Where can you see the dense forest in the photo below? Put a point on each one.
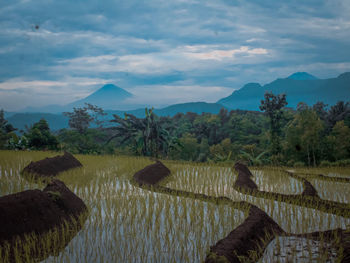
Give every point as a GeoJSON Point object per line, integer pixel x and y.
{"type": "Point", "coordinates": [276, 135]}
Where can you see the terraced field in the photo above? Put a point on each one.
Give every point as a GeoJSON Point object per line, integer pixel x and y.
{"type": "Point", "coordinates": [197, 213]}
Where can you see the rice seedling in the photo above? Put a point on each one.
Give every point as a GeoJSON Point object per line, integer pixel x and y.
{"type": "Point", "coordinates": [127, 223]}
{"type": "Point", "coordinates": [130, 224]}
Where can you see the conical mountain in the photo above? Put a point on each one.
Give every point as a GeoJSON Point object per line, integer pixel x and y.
{"type": "Point", "coordinates": [108, 97]}
{"type": "Point", "coordinates": [302, 76]}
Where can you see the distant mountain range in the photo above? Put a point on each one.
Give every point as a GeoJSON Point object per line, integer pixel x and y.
{"type": "Point", "coordinates": [299, 87]}
{"type": "Point", "coordinates": [59, 121]}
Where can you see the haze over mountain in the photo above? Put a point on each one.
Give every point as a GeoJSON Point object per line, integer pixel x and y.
{"type": "Point", "coordinates": [109, 97]}
{"type": "Point", "coordinates": [59, 121]}
{"type": "Point", "coordinates": [299, 87]}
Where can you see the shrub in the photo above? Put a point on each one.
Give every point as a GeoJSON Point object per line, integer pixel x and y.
{"type": "Point", "coordinates": [342, 163]}
{"type": "Point", "coordinates": [299, 164]}
{"type": "Point", "coordinates": [325, 163]}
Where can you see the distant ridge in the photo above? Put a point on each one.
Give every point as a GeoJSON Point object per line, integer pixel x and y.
{"type": "Point", "coordinates": [59, 121]}
{"type": "Point", "coordinates": [299, 87]}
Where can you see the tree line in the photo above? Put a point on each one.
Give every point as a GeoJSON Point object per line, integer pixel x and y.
{"type": "Point", "coordinates": [276, 135]}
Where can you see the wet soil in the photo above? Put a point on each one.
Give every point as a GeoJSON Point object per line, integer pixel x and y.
{"type": "Point", "coordinates": [309, 189]}
{"type": "Point", "coordinates": [49, 167]}
{"type": "Point", "coordinates": [37, 212]}
{"type": "Point", "coordinates": [255, 232]}
{"type": "Point", "coordinates": [308, 198]}
{"type": "Point", "coordinates": [152, 174]}
{"type": "Point", "coordinates": [258, 230]}
{"type": "Point", "coordinates": [244, 177]}
{"type": "Point", "coordinates": [339, 238]}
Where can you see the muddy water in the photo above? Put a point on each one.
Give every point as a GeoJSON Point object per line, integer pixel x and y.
{"type": "Point", "coordinates": [298, 250]}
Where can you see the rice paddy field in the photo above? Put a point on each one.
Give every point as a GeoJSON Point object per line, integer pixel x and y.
{"type": "Point", "coordinates": [127, 223]}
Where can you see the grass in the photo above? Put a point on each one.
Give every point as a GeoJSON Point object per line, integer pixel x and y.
{"type": "Point", "coordinates": [127, 223]}
{"type": "Point", "coordinates": [130, 224]}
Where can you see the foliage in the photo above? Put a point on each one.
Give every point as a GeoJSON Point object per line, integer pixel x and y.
{"type": "Point", "coordinates": [272, 105]}
{"type": "Point", "coordinates": [304, 134]}
{"type": "Point", "coordinates": [311, 135]}
{"type": "Point", "coordinates": [6, 130]}
{"type": "Point", "coordinates": [81, 118]}
{"type": "Point", "coordinates": [148, 136]}
{"type": "Point", "coordinates": [39, 137]}
{"type": "Point", "coordinates": [91, 142]}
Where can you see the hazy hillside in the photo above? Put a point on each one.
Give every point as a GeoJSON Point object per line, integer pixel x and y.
{"type": "Point", "coordinates": [58, 121]}
{"type": "Point", "coordinates": [20, 120]}
{"type": "Point", "coordinates": [299, 87]}
{"type": "Point", "coordinates": [109, 97]}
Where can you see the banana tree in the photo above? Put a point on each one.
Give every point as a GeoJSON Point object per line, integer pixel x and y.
{"type": "Point", "coordinates": [148, 134]}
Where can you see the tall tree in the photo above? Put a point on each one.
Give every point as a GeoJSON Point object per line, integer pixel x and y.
{"type": "Point", "coordinates": [81, 118]}
{"type": "Point", "coordinates": [304, 135]}
{"type": "Point", "coordinates": [6, 129]}
{"type": "Point", "coordinates": [339, 112]}
{"type": "Point", "coordinates": [340, 138]}
{"type": "Point", "coordinates": [272, 105]}
{"type": "Point", "coordinates": [148, 135]}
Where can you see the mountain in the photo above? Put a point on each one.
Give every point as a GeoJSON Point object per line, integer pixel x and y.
{"type": "Point", "coordinates": [302, 76]}
{"type": "Point", "coordinates": [59, 121]}
{"type": "Point", "coordinates": [21, 120]}
{"type": "Point", "coordinates": [299, 87]}
{"type": "Point", "coordinates": [107, 97]}
{"type": "Point", "coordinates": [195, 107]}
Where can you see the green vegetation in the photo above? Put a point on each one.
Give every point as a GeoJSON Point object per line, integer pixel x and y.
{"type": "Point", "coordinates": [309, 136]}
{"type": "Point", "coordinates": [273, 105]}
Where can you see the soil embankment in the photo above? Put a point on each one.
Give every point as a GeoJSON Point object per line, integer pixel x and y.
{"type": "Point", "coordinates": [152, 174]}
{"type": "Point", "coordinates": [252, 235]}
{"type": "Point", "coordinates": [309, 197]}
{"type": "Point", "coordinates": [49, 167]}
{"type": "Point", "coordinates": [36, 212]}
{"type": "Point", "coordinates": [256, 231]}
{"type": "Point", "coordinates": [327, 178]}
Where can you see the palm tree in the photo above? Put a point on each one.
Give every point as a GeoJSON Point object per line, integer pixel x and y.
{"type": "Point", "coordinates": [148, 134]}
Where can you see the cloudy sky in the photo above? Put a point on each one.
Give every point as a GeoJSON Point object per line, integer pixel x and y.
{"type": "Point", "coordinates": [164, 52]}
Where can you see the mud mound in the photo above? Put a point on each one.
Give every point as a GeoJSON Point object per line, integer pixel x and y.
{"type": "Point", "coordinates": [35, 211]}
{"type": "Point", "coordinates": [256, 231]}
{"type": "Point", "coordinates": [243, 179]}
{"type": "Point", "coordinates": [309, 189]}
{"type": "Point", "coordinates": [152, 174]}
{"type": "Point", "coordinates": [52, 166]}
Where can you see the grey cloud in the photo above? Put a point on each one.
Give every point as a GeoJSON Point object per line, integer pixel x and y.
{"type": "Point", "coordinates": [40, 40]}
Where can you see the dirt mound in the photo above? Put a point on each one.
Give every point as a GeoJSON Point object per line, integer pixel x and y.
{"type": "Point", "coordinates": [35, 211]}
{"type": "Point", "coordinates": [52, 166]}
{"type": "Point", "coordinates": [309, 189]}
{"type": "Point", "coordinates": [256, 231]}
{"type": "Point", "coordinates": [243, 179]}
{"type": "Point", "coordinates": [152, 174]}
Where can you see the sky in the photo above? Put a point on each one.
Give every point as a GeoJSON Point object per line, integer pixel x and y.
{"type": "Point", "coordinates": [164, 52]}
